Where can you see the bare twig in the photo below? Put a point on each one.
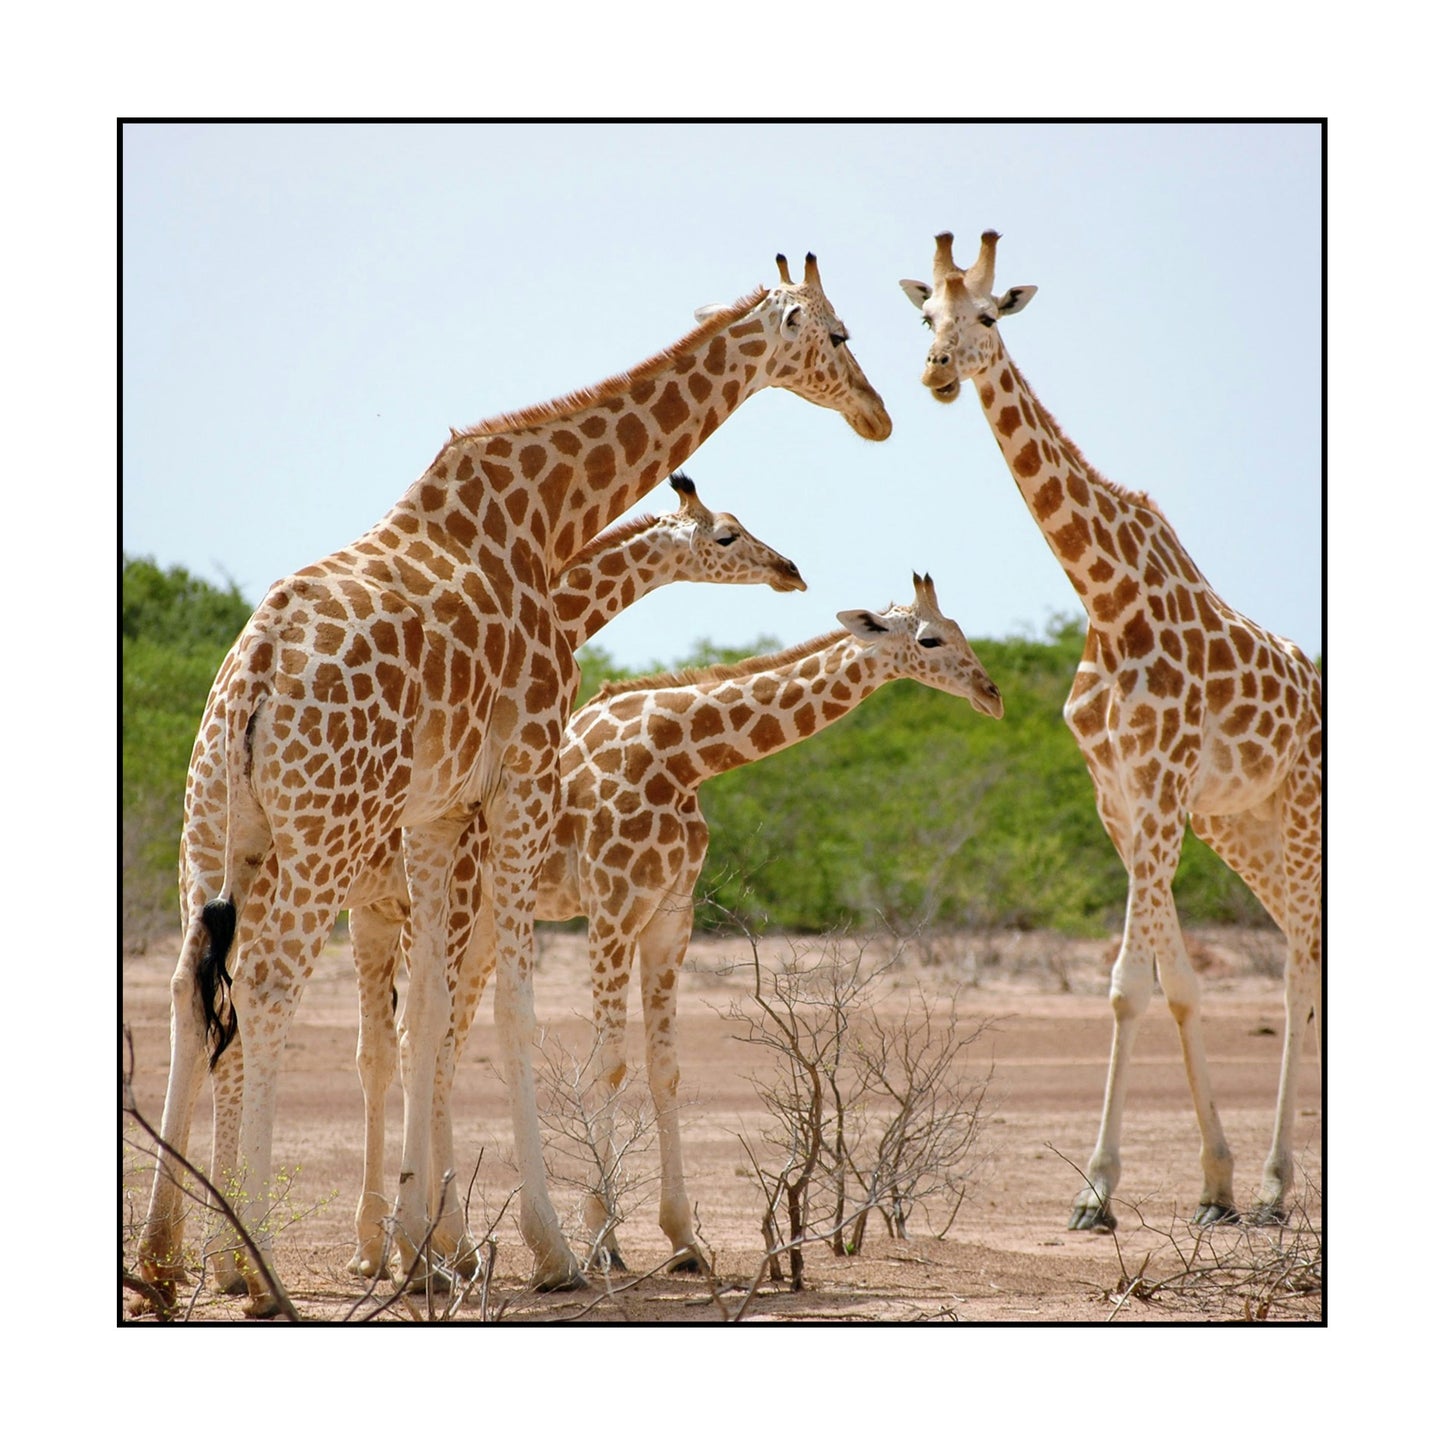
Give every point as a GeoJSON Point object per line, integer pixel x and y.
{"type": "Point", "coordinates": [214, 1196]}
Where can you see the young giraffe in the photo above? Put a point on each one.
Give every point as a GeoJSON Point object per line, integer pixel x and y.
{"type": "Point", "coordinates": [692, 544]}
{"type": "Point", "coordinates": [417, 679]}
{"type": "Point", "coordinates": [1185, 711]}
{"type": "Point", "coordinates": [630, 839]}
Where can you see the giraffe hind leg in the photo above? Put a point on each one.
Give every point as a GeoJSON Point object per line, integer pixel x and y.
{"type": "Point", "coordinates": [1284, 877]}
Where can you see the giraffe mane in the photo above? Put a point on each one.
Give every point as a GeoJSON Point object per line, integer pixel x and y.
{"type": "Point", "coordinates": [1094, 477]}
{"type": "Point", "coordinates": [605, 541]}
{"type": "Point", "coordinates": [614, 386]}
{"type": "Point", "coordinates": [719, 671]}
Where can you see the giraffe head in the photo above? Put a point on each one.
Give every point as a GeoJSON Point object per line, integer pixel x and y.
{"type": "Point", "coordinates": [962, 311]}
{"type": "Point", "coordinates": [805, 350]}
{"type": "Point", "coordinates": [921, 643]}
{"type": "Point", "coordinates": [716, 547]}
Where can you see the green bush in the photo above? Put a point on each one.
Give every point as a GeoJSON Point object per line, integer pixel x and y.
{"type": "Point", "coordinates": [175, 630]}
{"type": "Point", "coordinates": [913, 809]}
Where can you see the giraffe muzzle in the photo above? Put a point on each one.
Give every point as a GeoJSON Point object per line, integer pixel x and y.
{"type": "Point", "coordinates": [986, 698]}
{"type": "Point", "coordinates": [787, 578]}
{"type": "Point", "coordinates": [941, 380]}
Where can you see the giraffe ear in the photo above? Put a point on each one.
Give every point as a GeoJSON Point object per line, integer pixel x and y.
{"type": "Point", "coordinates": [917, 292]}
{"type": "Point", "coordinates": [706, 313]}
{"type": "Point", "coordinates": [863, 624]}
{"type": "Point", "coordinates": [1014, 300]}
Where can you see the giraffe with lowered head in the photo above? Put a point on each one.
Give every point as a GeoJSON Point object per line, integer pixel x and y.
{"type": "Point", "coordinates": [418, 679]}
{"type": "Point", "coordinates": [630, 839]}
{"type": "Point", "coordinates": [1186, 712]}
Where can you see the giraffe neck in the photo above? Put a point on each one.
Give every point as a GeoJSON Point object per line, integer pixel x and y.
{"type": "Point", "coordinates": [557, 474]}
{"type": "Point", "coordinates": [1112, 544]}
{"type": "Point", "coordinates": [596, 586]}
{"type": "Point", "coordinates": [733, 716]}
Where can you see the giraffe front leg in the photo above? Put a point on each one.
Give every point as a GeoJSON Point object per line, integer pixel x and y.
{"type": "Point", "coordinates": [421, 1206]}
{"type": "Point", "coordinates": [611, 968]}
{"type": "Point", "coordinates": [376, 952]}
{"type": "Point", "coordinates": [520, 824]}
{"type": "Point", "coordinates": [1181, 989]}
{"type": "Point", "coordinates": [1129, 989]}
{"type": "Point", "coordinates": [662, 949]}
{"type": "Point", "coordinates": [471, 958]}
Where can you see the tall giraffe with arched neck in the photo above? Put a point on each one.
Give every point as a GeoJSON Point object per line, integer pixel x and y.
{"type": "Point", "coordinates": [692, 543]}
{"type": "Point", "coordinates": [1186, 711]}
{"type": "Point", "coordinates": [418, 679]}
{"type": "Point", "coordinates": [630, 839]}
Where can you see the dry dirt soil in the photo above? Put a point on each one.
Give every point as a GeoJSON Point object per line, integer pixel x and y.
{"type": "Point", "coordinates": [1006, 1256]}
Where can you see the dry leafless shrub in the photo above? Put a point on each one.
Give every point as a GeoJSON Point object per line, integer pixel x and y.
{"type": "Point", "coordinates": [595, 1143]}
{"type": "Point", "coordinates": [867, 1112]}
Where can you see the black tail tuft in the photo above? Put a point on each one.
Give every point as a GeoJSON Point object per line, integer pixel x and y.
{"type": "Point", "coordinates": [219, 918]}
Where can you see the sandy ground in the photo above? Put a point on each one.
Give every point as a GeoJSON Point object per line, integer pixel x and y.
{"type": "Point", "coordinates": [1005, 1257]}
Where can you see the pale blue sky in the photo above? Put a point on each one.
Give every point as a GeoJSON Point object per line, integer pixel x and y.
{"type": "Point", "coordinates": [307, 309]}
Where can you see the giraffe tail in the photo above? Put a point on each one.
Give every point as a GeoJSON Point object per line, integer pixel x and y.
{"type": "Point", "coordinates": [247, 841]}
{"type": "Point", "coordinates": [213, 980]}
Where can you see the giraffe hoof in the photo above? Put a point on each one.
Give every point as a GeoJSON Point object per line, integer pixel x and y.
{"type": "Point", "coordinates": [1095, 1217]}
{"type": "Point", "coordinates": [574, 1279]}
{"type": "Point", "coordinates": [368, 1267]}
{"type": "Point", "coordinates": [1268, 1212]}
{"type": "Point", "coordinates": [687, 1263]}
{"type": "Point", "coordinates": [607, 1260]}
{"type": "Point", "coordinates": [1211, 1213]}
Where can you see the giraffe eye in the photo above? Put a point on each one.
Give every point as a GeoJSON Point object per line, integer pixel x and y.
{"type": "Point", "coordinates": [928, 322]}
{"type": "Point", "coordinates": [837, 337]}
{"type": "Point", "coordinates": [987, 320]}
{"type": "Point", "coordinates": [726, 541]}
{"type": "Point", "coordinates": [930, 642]}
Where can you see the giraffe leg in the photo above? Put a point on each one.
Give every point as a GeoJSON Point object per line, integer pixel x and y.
{"type": "Point", "coordinates": [376, 951]}
{"type": "Point", "coordinates": [471, 956]}
{"type": "Point", "coordinates": [1276, 851]}
{"type": "Point", "coordinates": [421, 1207]}
{"type": "Point", "coordinates": [611, 958]}
{"type": "Point", "coordinates": [520, 824]}
{"type": "Point", "coordinates": [160, 1243]}
{"type": "Point", "coordinates": [227, 1089]}
{"type": "Point", "coordinates": [1181, 990]}
{"type": "Point", "coordinates": [271, 965]}
{"type": "Point", "coordinates": [1130, 986]}
{"type": "Point", "coordinates": [662, 949]}
{"type": "Point", "coordinates": [1151, 934]}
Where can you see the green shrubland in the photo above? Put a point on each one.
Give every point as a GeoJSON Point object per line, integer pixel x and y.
{"type": "Point", "coordinates": [913, 810]}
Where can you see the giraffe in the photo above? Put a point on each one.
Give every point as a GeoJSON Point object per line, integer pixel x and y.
{"type": "Point", "coordinates": [630, 839]}
{"type": "Point", "coordinates": [1186, 711]}
{"type": "Point", "coordinates": [692, 544]}
{"type": "Point", "coordinates": [417, 679]}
